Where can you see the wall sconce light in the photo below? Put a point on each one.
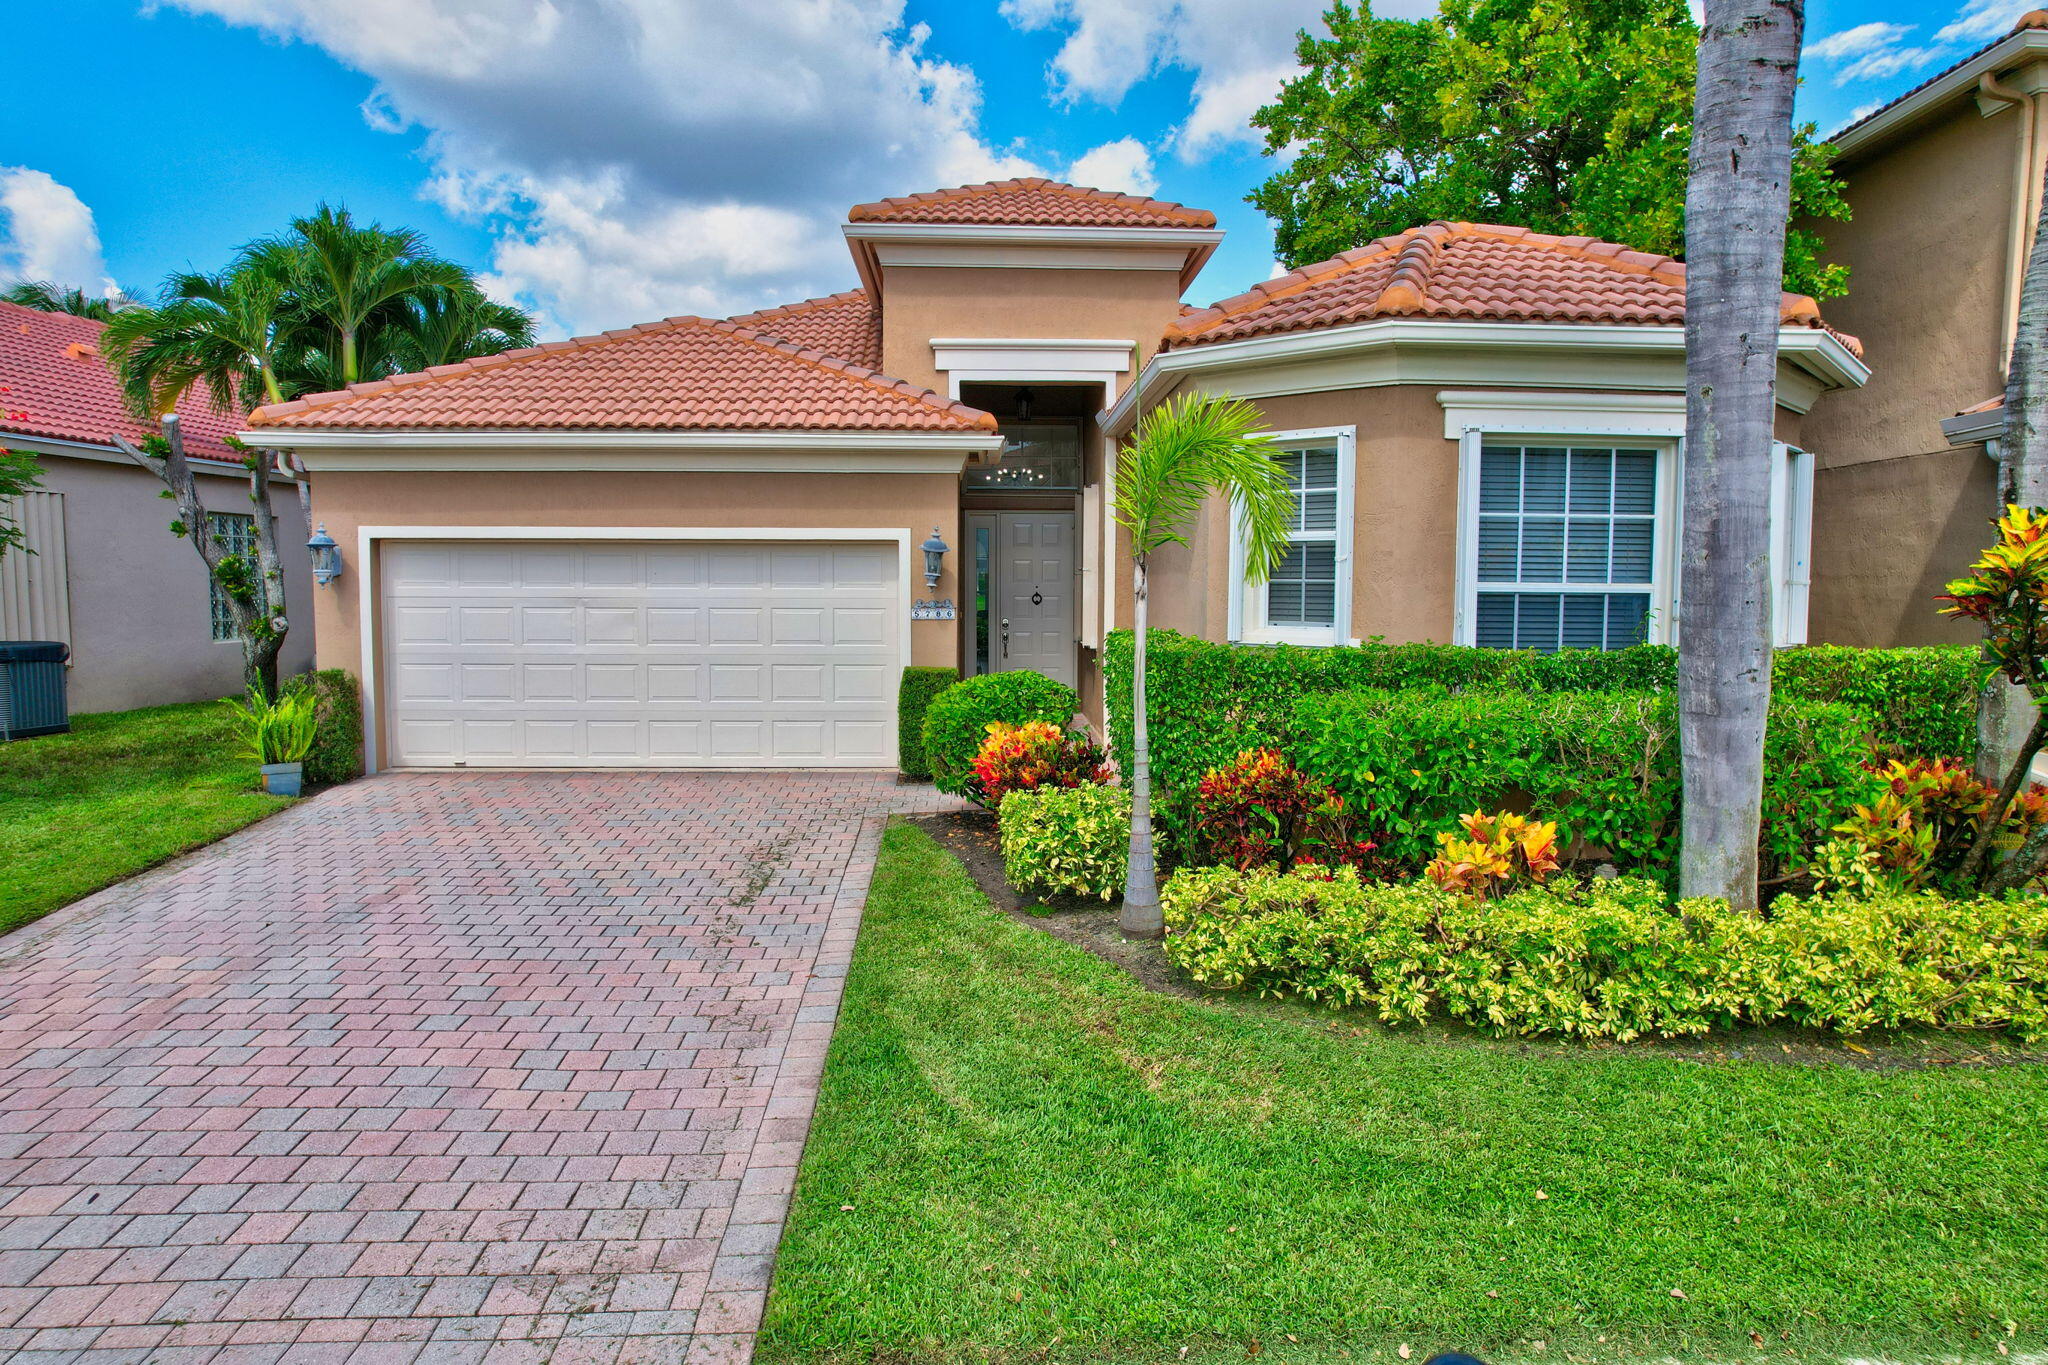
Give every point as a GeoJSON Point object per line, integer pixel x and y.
{"type": "Point", "coordinates": [326, 556]}
{"type": "Point", "coordinates": [934, 556]}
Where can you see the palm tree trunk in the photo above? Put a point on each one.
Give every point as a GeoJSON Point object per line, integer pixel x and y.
{"type": "Point", "coordinates": [1141, 916]}
{"type": "Point", "coordinates": [1737, 199]}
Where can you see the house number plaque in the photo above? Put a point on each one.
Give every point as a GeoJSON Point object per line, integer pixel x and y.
{"type": "Point", "coordinates": [932, 609]}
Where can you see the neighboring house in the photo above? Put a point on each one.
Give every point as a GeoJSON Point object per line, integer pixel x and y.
{"type": "Point", "coordinates": [698, 542]}
{"type": "Point", "coordinates": [1945, 185]}
{"type": "Point", "coordinates": [145, 623]}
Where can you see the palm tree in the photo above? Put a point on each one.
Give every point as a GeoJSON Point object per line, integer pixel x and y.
{"type": "Point", "coordinates": [443, 326]}
{"type": "Point", "coordinates": [1184, 453]}
{"type": "Point", "coordinates": [221, 333]}
{"type": "Point", "coordinates": [1737, 196]}
{"type": "Point", "coordinates": [47, 297]}
{"type": "Point", "coordinates": [351, 279]}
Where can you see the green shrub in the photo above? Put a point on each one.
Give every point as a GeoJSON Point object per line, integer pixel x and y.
{"type": "Point", "coordinates": [1066, 841]}
{"type": "Point", "coordinates": [276, 729]}
{"type": "Point", "coordinates": [1603, 765]}
{"type": "Point", "coordinates": [957, 719]}
{"type": "Point", "coordinates": [1610, 959]}
{"type": "Point", "coordinates": [337, 753]}
{"type": "Point", "coordinates": [913, 696]}
{"type": "Point", "coordinates": [1209, 702]}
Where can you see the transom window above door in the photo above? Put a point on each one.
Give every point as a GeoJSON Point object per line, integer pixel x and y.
{"type": "Point", "coordinates": [1566, 546]}
{"type": "Point", "coordinates": [1038, 457]}
{"type": "Point", "coordinates": [1308, 597]}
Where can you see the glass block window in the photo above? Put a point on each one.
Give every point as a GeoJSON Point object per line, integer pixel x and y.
{"type": "Point", "coordinates": [1303, 589]}
{"type": "Point", "coordinates": [234, 532]}
{"type": "Point", "coordinates": [1567, 539]}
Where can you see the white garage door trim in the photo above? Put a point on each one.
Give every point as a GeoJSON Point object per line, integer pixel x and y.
{"type": "Point", "coordinates": [370, 593]}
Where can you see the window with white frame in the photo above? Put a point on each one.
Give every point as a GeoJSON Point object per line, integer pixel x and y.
{"type": "Point", "coordinates": [1567, 545]}
{"type": "Point", "coordinates": [1306, 599]}
{"type": "Point", "coordinates": [235, 533]}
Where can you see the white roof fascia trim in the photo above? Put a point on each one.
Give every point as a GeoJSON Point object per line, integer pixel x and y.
{"type": "Point", "coordinates": [289, 438]}
{"type": "Point", "coordinates": [2015, 47]}
{"type": "Point", "coordinates": [1971, 427]}
{"type": "Point", "coordinates": [1810, 348]}
{"type": "Point", "coordinates": [94, 450]}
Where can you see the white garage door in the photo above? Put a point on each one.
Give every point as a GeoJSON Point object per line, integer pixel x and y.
{"type": "Point", "coordinates": [686, 653]}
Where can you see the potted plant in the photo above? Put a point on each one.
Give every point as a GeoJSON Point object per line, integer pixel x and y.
{"type": "Point", "coordinates": [279, 734]}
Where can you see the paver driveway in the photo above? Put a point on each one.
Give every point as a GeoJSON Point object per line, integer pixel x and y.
{"type": "Point", "coordinates": [441, 1067]}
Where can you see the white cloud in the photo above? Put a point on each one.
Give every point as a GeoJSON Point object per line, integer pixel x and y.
{"type": "Point", "coordinates": [642, 157]}
{"type": "Point", "coordinates": [1125, 164]}
{"type": "Point", "coordinates": [47, 233]}
{"type": "Point", "coordinates": [1979, 21]}
{"type": "Point", "coordinates": [1871, 52]}
{"type": "Point", "coordinates": [1857, 41]}
{"type": "Point", "coordinates": [1238, 51]}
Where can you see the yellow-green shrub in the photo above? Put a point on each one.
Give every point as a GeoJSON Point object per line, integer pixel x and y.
{"type": "Point", "coordinates": [1066, 841]}
{"type": "Point", "coordinates": [1612, 959]}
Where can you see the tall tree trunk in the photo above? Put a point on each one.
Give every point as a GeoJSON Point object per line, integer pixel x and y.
{"type": "Point", "coordinates": [1736, 203]}
{"type": "Point", "coordinates": [2006, 711]}
{"type": "Point", "coordinates": [1141, 916]}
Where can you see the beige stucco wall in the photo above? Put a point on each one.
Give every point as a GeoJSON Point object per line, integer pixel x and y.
{"type": "Point", "coordinates": [923, 302]}
{"type": "Point", "coordinates": [1895, 509]}
{"type": "Point", "coordinates": [141, 625]}
{"type": "Point", "coordinates": [909, 502]}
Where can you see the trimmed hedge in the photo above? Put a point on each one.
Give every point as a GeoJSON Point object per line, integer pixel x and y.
{"type": "Point", "coordinates": [957, 720]}
{"type": "Point", "coordinates": [1611, 959]}
{"type": "Point", "coordinates": [337, 754]}
{"type": "Point", "coordinates": [1604, 765]}
{"type": "Point", "coordinates": [1066, 841]}
{"type": "Point", "coordinates": [1209, 701]}
{"type": "Point", "coordinates": [913, 697]}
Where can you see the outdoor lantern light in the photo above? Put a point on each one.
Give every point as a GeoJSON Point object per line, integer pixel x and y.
{"type": "Point", "coordinates": [326, 556]}
{"type": "Point", "coordinates": [934, 555]}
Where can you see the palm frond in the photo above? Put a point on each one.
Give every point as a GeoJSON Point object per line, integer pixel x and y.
{"type": "Point", "coordinates": [1192, 448]}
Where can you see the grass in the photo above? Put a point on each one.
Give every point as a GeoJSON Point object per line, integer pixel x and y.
{"type": "Point", "coordinates": [121, 793]}
{"type": "Point", "coordinates": [1021, 1153]}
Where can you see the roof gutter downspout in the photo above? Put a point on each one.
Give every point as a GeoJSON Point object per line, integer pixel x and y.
{"type": "Point", "coordinates": [2026, 207]}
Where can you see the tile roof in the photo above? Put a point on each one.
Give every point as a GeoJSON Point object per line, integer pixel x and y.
{"type": "Point", "coordinates": [845, 325]}
{"type": "Point", "coordinates": [1476, 271]}
{"type": "Point", "coordinates": [1031, 202]}
{"type": "Point", "coordinates": [681, 374]}
{"type": "Point", "coordinates": [2033, 18]}
{"type": "Point", "coordinates": [54, 384]}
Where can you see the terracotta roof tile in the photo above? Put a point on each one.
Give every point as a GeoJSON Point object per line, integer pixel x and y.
{"type": "Point", "coordinates": [845, 325]}
{"type": "Point", "coordinates": [53, 384]}
{"type": "Point", "coordinates": [1991, 404]}
{"type": "Point", "coordinates": [682, 374]}
{"type": "Point", "coordinates": [1477, 271]}
{"type": "Point", "coordinates": [1031, 202]}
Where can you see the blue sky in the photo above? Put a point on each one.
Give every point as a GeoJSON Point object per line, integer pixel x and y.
{"type": "Point", "coordinates": [607, 161]}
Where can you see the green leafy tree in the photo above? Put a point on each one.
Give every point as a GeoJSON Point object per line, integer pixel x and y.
{"type": "Point", "coordinates": [1184, 453]}
{"type": "Point", "coordinates": [1564, 116]}
{"type": "Point", "coordinates": [19, 474]}
{"type": "Point", "coordinates": [47, 297]}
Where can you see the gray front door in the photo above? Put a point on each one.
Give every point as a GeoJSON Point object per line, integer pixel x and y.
{"type": "Point", "coordinates": [1031, 592]}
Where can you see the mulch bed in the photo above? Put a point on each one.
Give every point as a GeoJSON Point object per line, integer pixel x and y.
{"type": "Point", "coordinates": [1091, 926]}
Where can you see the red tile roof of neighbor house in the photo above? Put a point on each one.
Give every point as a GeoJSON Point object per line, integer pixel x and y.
{"type": "Point", "coordinates": [1464, 271]}
{"type": "Point", "coordinates": [845, 325]}
{"type": "Point", "coordinates": [1031, 202]}
{"type": "Point", "coordinates": [54, 384]}
{"type": "Point", "coordinates": [681, 374]}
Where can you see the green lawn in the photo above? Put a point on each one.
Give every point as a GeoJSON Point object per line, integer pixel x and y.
{"type": "Point", "coordinates": [122, 792]}
{"type": "Point", "coordinates": [1042, 1157]}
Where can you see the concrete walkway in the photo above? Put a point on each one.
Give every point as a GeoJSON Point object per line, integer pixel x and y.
{"type": "Point", "coordinates": [433, 1067]}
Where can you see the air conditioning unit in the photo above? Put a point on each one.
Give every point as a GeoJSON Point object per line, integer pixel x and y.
{"type": "Point", "coordinates": [32, 688]}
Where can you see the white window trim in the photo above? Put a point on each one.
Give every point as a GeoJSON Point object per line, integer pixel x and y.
{"type": "Point", "coordinates": [1664, 542]}
{"type": "Point", "coordinates": [1245, 625]}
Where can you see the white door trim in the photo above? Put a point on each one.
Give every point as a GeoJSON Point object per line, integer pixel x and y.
{"type": "Point", "coordinates": [370, 594]}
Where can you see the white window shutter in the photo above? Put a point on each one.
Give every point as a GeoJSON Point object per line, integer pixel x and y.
{"type": "Point", "coordinates": [1791, 543]}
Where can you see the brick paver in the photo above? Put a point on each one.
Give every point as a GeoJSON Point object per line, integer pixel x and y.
{"type": "Point", "coordinates": [433, 1067]}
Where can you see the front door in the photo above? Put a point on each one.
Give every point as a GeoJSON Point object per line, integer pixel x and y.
{"type": "Point", "coordinates": [1030, 596]}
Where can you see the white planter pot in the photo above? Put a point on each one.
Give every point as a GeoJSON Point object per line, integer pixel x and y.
{"type": "Point", "coordinates": [282, 779]}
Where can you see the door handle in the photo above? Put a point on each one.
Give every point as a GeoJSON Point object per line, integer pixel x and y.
{"type": "Point", "coordinates": [1006, 632]}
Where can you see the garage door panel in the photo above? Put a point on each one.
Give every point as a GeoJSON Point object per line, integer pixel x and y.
{"type": "Point", "coordinates": [564, 654]}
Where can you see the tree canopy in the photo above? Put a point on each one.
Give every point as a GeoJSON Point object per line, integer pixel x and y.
{"type": "Point", "coordinates": [1565, 116]}
{"type": "Point", "coordinates": [327, 303]}
{"type": "Point", "coordinates": [47, 296]}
